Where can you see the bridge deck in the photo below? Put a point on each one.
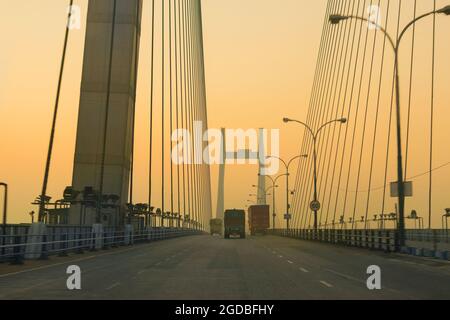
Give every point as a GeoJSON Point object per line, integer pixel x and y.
{"type": "Point", "coordinates": [201, 267]}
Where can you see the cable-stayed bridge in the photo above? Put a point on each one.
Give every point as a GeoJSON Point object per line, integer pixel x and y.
{"type": "Point", "coordinates": [353, 201]}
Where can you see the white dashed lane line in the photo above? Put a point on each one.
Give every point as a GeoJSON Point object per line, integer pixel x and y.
{"type": "Point", "coordinates": [304, 270]}
{"type": "Point", "coordinates": [290, 262]}
{"type": "Point", "coordinates": [113, 286]}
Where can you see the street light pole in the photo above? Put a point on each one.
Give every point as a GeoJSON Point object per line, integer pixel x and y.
{"type": "Point", "coordinates": [264, 192]}
{"type": "Point", "coordinates": [273, 197]}
{"type": "Point", "coordinates": [336, 19]}
{"type": "Point", "coordinates": [259, 198]}
{"type": "Point", "coordinates": [287, 165]}
{"type": "Point", "coordinates": [5, 204]}
{"type": "Point", "coordinates": [5, 212]}
{"type": "Point", "coordinates": [274, 181]}
{"type": "Point", "coordinates": [315, 205]}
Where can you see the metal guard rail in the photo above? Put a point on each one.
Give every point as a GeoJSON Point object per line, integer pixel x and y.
{"type": "Point", "coordinates": [371, 239]}
{"type": "Point", "coordinates": [13, 247]}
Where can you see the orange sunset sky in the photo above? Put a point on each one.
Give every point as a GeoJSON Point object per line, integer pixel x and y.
{"type": "Point", "coordinates": [260, 58]}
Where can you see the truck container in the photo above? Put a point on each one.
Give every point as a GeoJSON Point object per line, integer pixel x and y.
{"type": "Point", "coordinates": [216, 226]}
{"type": "Point", "coordinates": [258, 219]}
{"type": "Point", "coordinates": [234, 222]}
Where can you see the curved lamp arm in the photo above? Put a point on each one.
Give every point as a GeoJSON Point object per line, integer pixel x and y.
{"type": "Point", "coordinates": [297, 157]}
{"type": "Point", "coordinates": [328, 123]}
{"type": "Point", "coordinates": [274, 157]}
{"type": "Point", "coordinates": [286, 120]}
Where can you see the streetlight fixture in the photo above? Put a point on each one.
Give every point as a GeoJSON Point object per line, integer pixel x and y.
{"type": "Point", "coordinates": [42, 202]}
{"type": "Point", "coordinates": [315, 204]}
{"type": "Point", "coordinates": [336, 19]}
{"type": "Point", "coordinates": [414, 216]}
{"type": "Point", "coordinates": [32, 213]}
{"type": "Point", "coordinates": [287, 166]}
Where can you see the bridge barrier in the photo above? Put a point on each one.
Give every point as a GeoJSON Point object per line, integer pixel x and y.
{"type": "Point", "coordinates": [423, 243]}
{"type": "Point", "coordinates": [371, 239]}
{"type": "Point", "coordinates": [38, 241]}
{"type": "Point", "coordinates": [33, 250]}
{"type": "Point", "coordinates": [128, 235]}
{"type": "Point", "coordinates": [97, 237]}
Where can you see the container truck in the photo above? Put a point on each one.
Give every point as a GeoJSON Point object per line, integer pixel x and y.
{"type": "Point", "coordinates": [258, 219]}
{"type": "Point", "coordinates": [234, 222]}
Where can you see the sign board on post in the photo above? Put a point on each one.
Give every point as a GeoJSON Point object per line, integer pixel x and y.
{"type": "Point", "coordinates": [407, 187]}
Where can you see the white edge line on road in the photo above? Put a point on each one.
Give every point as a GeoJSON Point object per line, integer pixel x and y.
{"type": "Point", "coordinates": [326, 284]}
{"type": "Point", "coordinates": [45, 267]}
{"type": "Point", "coordinates": [70, 262]}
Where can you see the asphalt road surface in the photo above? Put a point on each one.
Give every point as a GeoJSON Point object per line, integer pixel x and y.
{"type": "Point", "coordinates": [204, 268]}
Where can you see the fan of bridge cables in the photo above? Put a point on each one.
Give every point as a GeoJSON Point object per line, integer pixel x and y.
{"type": "Point", "coordinates": [355, 79]}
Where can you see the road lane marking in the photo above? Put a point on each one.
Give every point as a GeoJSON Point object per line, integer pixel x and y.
{"type": "Point", "coordinates": [403, 261]}
{"type": "Point", "coordinates": [22, 290]}
{"type": "Point", "coordinates": [113, 286]}
{"type": "Point", "coordinates": [45, 267]}
{"type": "Point", "coordinates": [345, 276]}
{"type": "Point", "coordinates": [280, 257]}
{"type": "Point", "coordinates": [326, 284]}
{"type": "Point", "coordinates": [69, 262]}
{"type": "Point", "coordinates": [289, 261]}
{"type": "Point", "coordinates": [304, 270]}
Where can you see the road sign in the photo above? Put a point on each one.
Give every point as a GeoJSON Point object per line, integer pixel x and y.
{"type": "Point", "coordinates": [315, 205]}
{"type": "Point", "coordinates": [407, 189]}
{"type": "Point", "coordinates": [287, 216]}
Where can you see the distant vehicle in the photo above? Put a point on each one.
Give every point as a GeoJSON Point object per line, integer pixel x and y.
{"type": "Point", "coordinates": [234, 223]}
{"type": "Point", "coordinates": [216, 226]}
{"type": "Point", "coordinates": [259, 219]}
